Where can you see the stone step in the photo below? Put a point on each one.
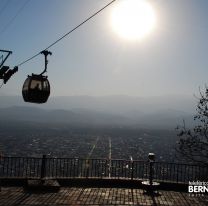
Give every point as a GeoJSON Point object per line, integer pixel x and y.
{"type": "Point", "coordinates": [42, 185]}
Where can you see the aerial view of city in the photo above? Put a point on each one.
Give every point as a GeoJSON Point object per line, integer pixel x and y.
{"type": "Point", "coordinates": [60, 141]}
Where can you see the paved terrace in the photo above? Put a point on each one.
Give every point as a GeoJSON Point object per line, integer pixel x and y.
{"type": "Point", "coordinates": [97, 196]}
{"type": "Point", "coordinates": [70, 181]}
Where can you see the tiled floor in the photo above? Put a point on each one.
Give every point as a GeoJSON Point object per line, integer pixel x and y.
{"type": "Point", "coordinates": [12, 196]}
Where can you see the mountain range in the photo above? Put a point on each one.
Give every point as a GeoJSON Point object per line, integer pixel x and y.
{"type": "Point", "coordinates": [155, 112]}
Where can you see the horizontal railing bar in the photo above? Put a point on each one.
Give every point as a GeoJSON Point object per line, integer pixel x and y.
{"type": "Point", "coordinates": [186, 164]}
{"type": "Point", "coordinates": [104, 159]}
{"type": "Point", "coordinates": [63, 167]}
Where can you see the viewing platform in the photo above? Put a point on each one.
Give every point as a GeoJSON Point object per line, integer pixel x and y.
{"type": "Point", "coordinates": [71, 181]}
{"type": "Point", "coordinates": [97, 196]}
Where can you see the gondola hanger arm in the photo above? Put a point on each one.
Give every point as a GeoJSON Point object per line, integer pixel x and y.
{"type": "Point", "coordinates": [45, 53]}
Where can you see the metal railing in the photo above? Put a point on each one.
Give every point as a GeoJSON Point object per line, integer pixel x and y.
{"type": "Point", "coordinates": [54, 168]}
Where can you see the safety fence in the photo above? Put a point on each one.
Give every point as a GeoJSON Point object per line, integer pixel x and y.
{"type": "Point", "coordinates": [54, 168]}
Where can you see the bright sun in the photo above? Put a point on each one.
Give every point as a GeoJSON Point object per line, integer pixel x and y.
{"type": "Point", "coordinates": [133, 19]}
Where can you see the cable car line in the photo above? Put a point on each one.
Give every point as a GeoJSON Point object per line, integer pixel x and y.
{"type": "Point", "coordinates": [80, 24]}
{"type": "Point", "coordinates": [4, 7]}
{"type": "Point", "coordinates": [62, 37]}
{"type": "Point", "coordinates": [14, 17]}
{"type": "Point", "coordinates": [28, 59]}
{"type": "Point", "coordinates": [1, 85]}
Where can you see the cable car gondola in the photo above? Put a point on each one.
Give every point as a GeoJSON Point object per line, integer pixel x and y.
{"type": "Point", "coordinates": [36, 88]}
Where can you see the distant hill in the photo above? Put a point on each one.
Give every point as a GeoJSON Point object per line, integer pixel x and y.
{"type": "Point", "coordinates": [113, 104]}
{"type": "Point", "coordinates": [83, 118]}
{"type": "Point", "coordinates": [151, 112]}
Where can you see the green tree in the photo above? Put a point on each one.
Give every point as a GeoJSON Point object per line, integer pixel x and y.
{"type": "Point", "coordinates": [193, 143]}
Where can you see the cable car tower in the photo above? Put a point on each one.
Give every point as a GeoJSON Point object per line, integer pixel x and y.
{"type": "Point", "coordinates": [5, 71]}
{"type": "Point", "coordinates": [36, 88]}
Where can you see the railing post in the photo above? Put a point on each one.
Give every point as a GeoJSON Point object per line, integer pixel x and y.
{"type": "Point", "coordinates": [151, 161]}
{"type": "Point", "coordinates": [177, 174]}
{"type": "Point", "coordinates": [43, 167]}
{"type": "Point", "coordinates": [132, 170]}
{"type": "Point", "coordinates": [87, 167]}
{"type": "Point", "coordinates": [150, 185]}
{"type": "Point", "coordinates": [150, 172]}
{"type": "Point", "coordinates": [109, 168]}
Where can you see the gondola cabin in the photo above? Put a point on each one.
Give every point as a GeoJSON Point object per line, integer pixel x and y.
{"type": "Point", "coordinates": [36, 89]}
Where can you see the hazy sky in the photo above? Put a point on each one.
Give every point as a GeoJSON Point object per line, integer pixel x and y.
{"type": "Point", "coordinates": [94, 60]}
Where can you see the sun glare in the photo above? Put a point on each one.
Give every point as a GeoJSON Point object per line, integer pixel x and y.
{"type": "Point", "coordinates": [133, 19]}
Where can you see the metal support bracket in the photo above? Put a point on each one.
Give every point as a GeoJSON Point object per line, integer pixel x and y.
{"type": "Point", "coordinates": [45, 53]}
{"type": "Point", "coordinates": [4, 58]}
